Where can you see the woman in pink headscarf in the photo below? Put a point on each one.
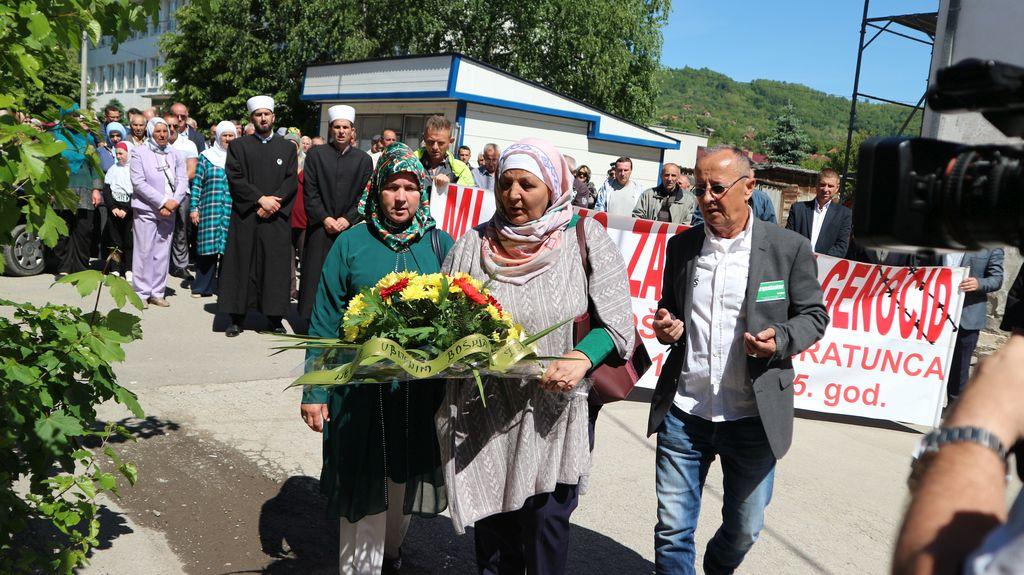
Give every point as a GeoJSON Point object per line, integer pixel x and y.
{"type": "Point", "coordinates": [516, 467]}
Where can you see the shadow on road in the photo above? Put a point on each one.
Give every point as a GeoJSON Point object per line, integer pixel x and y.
{"type": "Point", "coordinates": [253, 321]}
{"type": "Point", "coordinates": [137, 428]}
{"type": "Point", "coordinates": [295, 530]}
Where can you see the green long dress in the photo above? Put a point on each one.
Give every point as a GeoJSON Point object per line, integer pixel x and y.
{"type": "Point", "coordinates": [376, 431]}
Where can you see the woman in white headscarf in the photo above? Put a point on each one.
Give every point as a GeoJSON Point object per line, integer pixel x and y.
{"type": "Point", "coordinates": [159, 184]}
{"type": "Point", "coordinates": [211, 209]}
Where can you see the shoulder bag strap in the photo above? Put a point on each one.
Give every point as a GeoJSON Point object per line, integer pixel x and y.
{"type": "Point", "coordinates": [581, 239]}
{"type": "Point", "coordinates": [435, 242]}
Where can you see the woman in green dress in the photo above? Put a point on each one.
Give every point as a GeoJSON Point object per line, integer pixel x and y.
{"type": "Point", "coordinates": [381, 457]}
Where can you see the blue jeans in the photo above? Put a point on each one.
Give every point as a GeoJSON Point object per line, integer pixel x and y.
{"type": "Point", "coordinates": [687, 445]}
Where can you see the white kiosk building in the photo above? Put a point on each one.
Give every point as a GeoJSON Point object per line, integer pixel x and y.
{"type": "Point", "coordinates": [486, 105]}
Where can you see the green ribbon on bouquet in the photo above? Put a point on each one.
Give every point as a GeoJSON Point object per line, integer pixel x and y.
{"type": "Point", "coordinates": [379, 349]}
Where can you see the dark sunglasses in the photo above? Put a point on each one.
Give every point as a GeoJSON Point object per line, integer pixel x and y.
{"type": "Point", "coordinates": [717, 190]}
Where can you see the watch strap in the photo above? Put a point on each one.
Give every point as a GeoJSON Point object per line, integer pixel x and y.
{"type": "Point", "coordinates": [946, 435]}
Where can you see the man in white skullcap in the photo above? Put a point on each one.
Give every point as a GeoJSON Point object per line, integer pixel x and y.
{"type": "Point", "coordinates": [262, 172]}
{"type": "Point", "coordinates": [333, 181]}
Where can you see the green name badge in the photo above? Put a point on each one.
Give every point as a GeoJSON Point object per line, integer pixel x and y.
{"type": "Point", "coordinates": [771, 291]}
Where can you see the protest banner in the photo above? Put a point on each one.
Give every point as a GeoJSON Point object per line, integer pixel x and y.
{"type": "Point", "coordinates": [885, 354]}
{"type": "Point", "coordinates": [889, 344]}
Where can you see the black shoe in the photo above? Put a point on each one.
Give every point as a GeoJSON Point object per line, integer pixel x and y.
{"type": "Point", "coordinates": [279, 330]}
{"type": "Point", "coordinates": [233, 330]}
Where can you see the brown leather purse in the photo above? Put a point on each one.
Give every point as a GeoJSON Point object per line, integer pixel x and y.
{"type": "Point", "coordinates": [614, 378]}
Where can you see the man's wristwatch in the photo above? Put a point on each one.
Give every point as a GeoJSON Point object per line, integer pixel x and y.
{"type": "Point", "coordinates": [934, 440]}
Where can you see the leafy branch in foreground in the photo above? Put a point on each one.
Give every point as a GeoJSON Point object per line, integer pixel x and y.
{"type": "Point", "coordinates": [55, 368]}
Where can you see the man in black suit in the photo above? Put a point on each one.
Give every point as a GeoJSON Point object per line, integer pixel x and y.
{"type": "Point", "coordinates": [740, 297]}
{"type": "Point", "coordinates": [825, 222]}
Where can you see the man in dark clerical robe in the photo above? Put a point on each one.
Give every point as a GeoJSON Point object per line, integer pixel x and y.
{"type": "Point", "coordinates": [334, 178]}
{"type": "Point", "coordinates": [262, 172]}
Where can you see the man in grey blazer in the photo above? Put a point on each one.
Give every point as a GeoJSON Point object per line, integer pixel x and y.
{"type": "Point", "coordinates": [739, 298]}
{"type": "Point", "coordinates": [986, 276]}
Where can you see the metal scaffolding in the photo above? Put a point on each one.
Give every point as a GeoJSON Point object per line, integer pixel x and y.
{"type": "Point", "coordinates": [908, 26]}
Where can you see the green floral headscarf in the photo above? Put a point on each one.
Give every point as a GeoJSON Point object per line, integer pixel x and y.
{"type": "Point", "coordinates": [396, 158]}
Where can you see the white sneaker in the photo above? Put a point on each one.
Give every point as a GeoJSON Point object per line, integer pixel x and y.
{"type": "Point", "coordinates": [116, 274]}
{"type": "Point", "coordinates": [128, 276]}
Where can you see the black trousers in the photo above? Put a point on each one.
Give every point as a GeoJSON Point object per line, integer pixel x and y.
{"type": "Point", "coordinates": [73, 251]}
{"type": "Point", "coordinates": [119, 235]}
{"type": "Point", "coordinates": [534, 538]}
{"type": "Point", "coordinates": [960, 368]}
{"type": "Point", "coordinates": [206, 275]}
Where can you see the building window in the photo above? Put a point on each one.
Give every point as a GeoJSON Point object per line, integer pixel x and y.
{"type": "Point", "coordinates": [121, 84]}
{"type": "Point", "coordinates": [110, 79]}
{"type": "Point", "coordinates": [154, 73]}
{"type": "Point", "coordinates": [131, 76]}
{"type": "Point", "coordinates": [408, 128]}
{"type": "Point", "coordinates": [143, 76]}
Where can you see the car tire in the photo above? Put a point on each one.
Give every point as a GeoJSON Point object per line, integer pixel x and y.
{"type": "Point", "coordinates": [24, 255]}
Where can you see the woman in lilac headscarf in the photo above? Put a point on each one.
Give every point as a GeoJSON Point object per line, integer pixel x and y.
{"type": "Point", "coordinates": [516, 467]}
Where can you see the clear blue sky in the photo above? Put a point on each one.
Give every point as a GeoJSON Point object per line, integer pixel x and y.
{"type": "Point", "coordinates": [811, 42]}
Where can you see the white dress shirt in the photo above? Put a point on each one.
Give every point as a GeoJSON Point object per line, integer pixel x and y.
{"type": "Point", "coordinates": [714, 384]}
{"type": "Point", "coordinates": [954, 259]}
{"type": "Point", "coordinates": [819, 218]}
{"type": "Point", "coordinates": [186, 147]}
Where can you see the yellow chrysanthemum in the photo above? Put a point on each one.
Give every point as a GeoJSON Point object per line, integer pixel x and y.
{"type": "Point", "coordinates": [351, 333]}
{"type": "Point", "coordinates": [516, 333]}
{"type": "Point", "coordinates": [356, 305]}
{"type": "Point", "coordinates": [494, 312]}
{"type": "Point", "coordinates": [393, 278]}
{"type": "Point", "coordinates": [422, 287]}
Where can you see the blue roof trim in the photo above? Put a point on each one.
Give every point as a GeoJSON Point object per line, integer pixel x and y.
{"type": "Point", "coordinates": [376, 96]}
{"type": "Point", "coordinates": [453, 73]}
{"type": "Point", "coordinates": [460, 119]}
{"type": "Point", "coordinates": [595, 120]}
{"type": "Point", "coordinates": [594, 131]}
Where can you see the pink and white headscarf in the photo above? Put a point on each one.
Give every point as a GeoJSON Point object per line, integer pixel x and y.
{"type": "Point", "coordinates": [517, 253]}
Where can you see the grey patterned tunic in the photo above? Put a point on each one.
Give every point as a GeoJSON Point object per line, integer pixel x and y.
{"type": "Point", "coordinates": [526, 439]}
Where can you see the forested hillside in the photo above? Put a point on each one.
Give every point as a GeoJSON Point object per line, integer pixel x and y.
{"type": "Point", "coordinates": [742, 113]}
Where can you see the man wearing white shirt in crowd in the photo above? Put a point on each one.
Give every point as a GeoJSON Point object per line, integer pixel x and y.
{"type": "Point", "coordinates": [179, 244]}
{"type": "Point", "coordinates": [620, 193]}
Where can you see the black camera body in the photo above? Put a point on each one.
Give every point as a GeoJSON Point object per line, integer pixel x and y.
{"type": "Point", "coordinates": [925, 195]}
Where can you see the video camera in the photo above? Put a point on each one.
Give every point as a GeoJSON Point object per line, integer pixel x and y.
{"type": "Point", "coordinates": [925, 195]}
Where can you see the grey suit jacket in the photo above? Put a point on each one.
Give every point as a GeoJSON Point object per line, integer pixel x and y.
{"type": "Point", "coordinates": [799, 321]}
{"type": "Point", "coordinates": [987, 266]}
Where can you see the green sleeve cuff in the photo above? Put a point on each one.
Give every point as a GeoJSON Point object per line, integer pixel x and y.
{"type": "Point", "coordinates": [314, 394]}
{"type": "Point", "coordinates": [596, 345]}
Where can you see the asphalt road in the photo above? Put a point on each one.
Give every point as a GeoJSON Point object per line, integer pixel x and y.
{"type": "Point", "coordinates": [838, 498]}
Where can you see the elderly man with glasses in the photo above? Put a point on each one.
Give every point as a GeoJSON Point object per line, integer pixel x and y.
{"type": "Point", "coordinates": [740, 297]}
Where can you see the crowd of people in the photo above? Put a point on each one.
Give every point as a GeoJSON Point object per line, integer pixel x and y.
{"type": "Point", "coordinates": [269, 217]}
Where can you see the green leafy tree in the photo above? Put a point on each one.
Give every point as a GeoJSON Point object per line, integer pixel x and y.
{"type": "Point", "coordinates": [787, 144]}
{"type": "Point", "coordinates": [572, 47]}
{"type": "Point", "coordinates": [55, 361]}
{"type": "Point", "coordinates": [742, 113]}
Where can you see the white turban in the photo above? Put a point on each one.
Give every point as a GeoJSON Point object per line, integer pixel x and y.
{"type": "Point", "coordinates": [259, 103]}
{"type": "Point", "coordinates": [341, 112]}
